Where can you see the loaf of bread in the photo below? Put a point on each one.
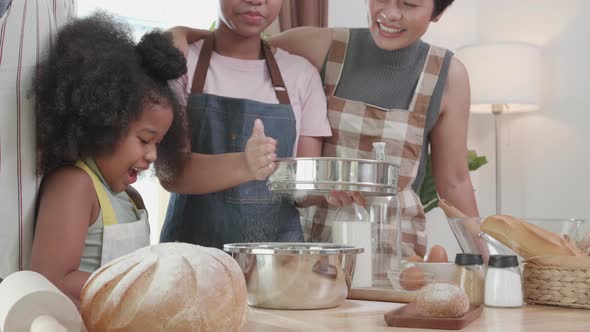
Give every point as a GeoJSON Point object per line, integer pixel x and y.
{"type": "Point", "coordinates": [442, 300]}
{"type": "Point", "coordinates": [166, 287]}
{"type": "Point", "coordinates": [527, 239]}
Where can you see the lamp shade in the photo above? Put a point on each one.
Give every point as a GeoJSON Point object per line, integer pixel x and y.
{"type": "Point", "coordinates": [503, 74]}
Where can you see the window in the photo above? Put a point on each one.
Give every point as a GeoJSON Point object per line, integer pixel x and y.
{"type": "Point", "coordinates": [144, 16]}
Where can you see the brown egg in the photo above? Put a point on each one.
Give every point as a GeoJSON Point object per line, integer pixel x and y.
{"type": "Point", "coordinates": [415, 259]}
{"type": "Point", "coordinates": [412, 279]}
{"type": "Point", "coordinates": [437, 254]}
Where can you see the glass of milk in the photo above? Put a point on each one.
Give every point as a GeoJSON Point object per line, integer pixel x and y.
{"type": "Point", "coordinates": [351, 226]}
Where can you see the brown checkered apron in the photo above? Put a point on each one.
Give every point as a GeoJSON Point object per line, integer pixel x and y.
{"type": "Point", "coordinates": [356, 125]}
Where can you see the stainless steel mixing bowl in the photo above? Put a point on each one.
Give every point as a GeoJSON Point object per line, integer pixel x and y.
{"type": "Point", "coordinates": [318, 176]}
{"type": "Point", "coordinates": [295, 275]}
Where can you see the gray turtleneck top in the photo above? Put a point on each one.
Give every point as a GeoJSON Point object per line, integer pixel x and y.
{"type": "Point", "coordinates": [388, 79]}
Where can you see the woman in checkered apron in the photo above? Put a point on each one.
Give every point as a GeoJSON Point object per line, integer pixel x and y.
{"type": "Point", "coordinates": [384, 84]}
{"type": "Point", "coordinates": [27, 28]}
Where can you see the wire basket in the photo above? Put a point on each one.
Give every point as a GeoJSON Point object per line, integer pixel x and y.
{"type": "Point", "coordinates": [562, 281]}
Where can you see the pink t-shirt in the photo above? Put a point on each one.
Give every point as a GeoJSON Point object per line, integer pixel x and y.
{"type": "Point", "coordinates": [250, 79]}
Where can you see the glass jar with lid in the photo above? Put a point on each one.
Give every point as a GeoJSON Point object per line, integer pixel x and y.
{"type": "Point", "coordinates": [503, 282]}
{"type": "Point", "coordinates": [470, 276]}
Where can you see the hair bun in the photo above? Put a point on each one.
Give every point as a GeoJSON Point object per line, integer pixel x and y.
{"type": "Point", "coordinates": [159, 57]}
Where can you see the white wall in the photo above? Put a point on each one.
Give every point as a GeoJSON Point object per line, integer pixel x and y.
{"type": "Point", "coordinates": [544, 155]}
{"type": "Point", "coordinates": [347, 13]}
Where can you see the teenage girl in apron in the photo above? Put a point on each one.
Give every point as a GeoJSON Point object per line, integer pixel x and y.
{"type": "Point", "coordinates": [248, 212]}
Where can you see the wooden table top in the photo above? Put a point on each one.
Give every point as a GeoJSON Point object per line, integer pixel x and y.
{"type": "Point", "coordinates": [367, 316]}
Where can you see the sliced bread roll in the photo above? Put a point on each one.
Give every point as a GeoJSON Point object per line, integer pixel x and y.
{"type": "Point", "coordinates": [442, 300]}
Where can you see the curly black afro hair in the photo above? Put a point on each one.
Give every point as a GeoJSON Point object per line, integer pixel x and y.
{"type": "Point", "coordinates": [95, 83]}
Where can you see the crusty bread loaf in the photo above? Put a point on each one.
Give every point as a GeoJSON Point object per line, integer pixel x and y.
{"type": "Point", "coordinates": [527, 239]}
{"type": "Point", "coordinates": [166, 287]}
{"type": "Point", "coordinates": [442, 300]}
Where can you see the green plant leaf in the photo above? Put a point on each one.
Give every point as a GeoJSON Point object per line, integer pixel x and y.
{"type": "Point", "coordinates": [474, 161]}
{"type": "Point", "coordinates": [427, 190]}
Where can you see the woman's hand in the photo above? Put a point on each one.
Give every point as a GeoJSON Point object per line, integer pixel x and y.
{"type": "Point", "coordinates": [260, 153]}
{"type": "Point", "coordinates": [336, 198]}
{"type": "Point", "coordinates": [339, 198]}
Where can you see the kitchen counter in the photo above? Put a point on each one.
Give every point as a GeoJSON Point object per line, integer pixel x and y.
{"type": "Point", "coordinates": [366, 316]}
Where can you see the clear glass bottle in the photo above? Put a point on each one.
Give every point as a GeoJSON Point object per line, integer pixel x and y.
{"type": "Point", "coordinates": [470, 276]}
{"type": "Point", "coordinates": [385, 237]}
{"type": "Point", "coordinates": [384, 213]}
{"type": "Point", "coordinates": [503, 282]}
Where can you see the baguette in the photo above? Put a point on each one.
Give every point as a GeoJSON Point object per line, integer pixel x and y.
{"type": "Point", "coordinates": [528, 240]}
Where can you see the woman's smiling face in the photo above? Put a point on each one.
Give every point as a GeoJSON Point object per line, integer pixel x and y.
{"type": "Point", "coordinates": [396, 24]}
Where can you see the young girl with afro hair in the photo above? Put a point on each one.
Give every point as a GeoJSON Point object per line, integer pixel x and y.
{"type": "Point", "coordinates": [105, 113]}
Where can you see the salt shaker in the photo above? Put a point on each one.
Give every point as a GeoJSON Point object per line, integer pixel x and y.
{"type": "Point", "coordinates": [470, 276]}
{"type": "Point", "coordinates": [503, 282]}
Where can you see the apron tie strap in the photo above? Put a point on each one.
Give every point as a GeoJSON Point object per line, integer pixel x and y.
{"type": "Point", "coordinates": [108, 214]}
{"type": "Point", "coordinates": [275, 75]}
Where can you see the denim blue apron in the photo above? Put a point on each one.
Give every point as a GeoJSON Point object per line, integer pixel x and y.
{"type": "Point", "coordinates": [248, 212]}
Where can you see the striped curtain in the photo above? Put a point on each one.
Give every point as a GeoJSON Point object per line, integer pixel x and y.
{"type": "Point", "coordinates": [297, 13]}
{"type": "Point", "coordinates": [26, 31]}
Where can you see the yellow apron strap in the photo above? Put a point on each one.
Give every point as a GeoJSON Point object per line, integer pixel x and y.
{"type": "Point", "coordinates": [134, 206]}
{"type": "Point", "coordinates": [108, 214]}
